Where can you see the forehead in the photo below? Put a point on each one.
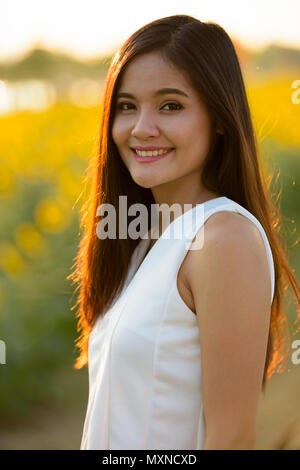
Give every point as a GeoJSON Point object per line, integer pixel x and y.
{"type": "Point", "coordinates": [149, 72]}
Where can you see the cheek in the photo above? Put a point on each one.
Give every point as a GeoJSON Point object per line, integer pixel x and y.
{"type": "Point", "coordinates": [118, 131]}
{"type": "Point", "coordinates": [193, 125]}
{"type": "Point", "coordinates": [193, 131]}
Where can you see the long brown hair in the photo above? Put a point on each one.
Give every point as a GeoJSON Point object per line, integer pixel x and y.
{"type": "Point", "coordinates": [206, 54]}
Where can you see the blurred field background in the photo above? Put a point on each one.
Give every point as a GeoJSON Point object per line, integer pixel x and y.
{"type": "Point", "coordinates": [50, 113]}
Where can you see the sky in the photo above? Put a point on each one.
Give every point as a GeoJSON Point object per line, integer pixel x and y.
{"type": "Point", "coordinates": [89, 28]}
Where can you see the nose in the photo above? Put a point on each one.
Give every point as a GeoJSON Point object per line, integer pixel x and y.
{"type": "Point", "coordinates": [145, 127]}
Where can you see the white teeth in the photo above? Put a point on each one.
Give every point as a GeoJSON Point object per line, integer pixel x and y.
{"type": "Point", "coordinates": [151, 153]}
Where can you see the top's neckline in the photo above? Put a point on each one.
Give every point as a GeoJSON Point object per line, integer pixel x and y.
{"type": "Point", "coordinates": [145, 242]}
{"type": "Point", "coordinates": [183, 215]}
{"type": "Point", "coordinates": [140, 255]}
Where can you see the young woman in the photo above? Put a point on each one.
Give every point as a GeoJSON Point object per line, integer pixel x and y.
{"type": "Point", "coordinates": [179, 341]}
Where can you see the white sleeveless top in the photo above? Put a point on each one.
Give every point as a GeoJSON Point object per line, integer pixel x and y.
{"type": "Point", "coordinates": [144, 354]}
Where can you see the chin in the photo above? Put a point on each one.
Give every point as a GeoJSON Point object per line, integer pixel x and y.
{"type": "Point", "coordinates": [145, 180]}
{"type": "Point", "coordinates": [144, 183]}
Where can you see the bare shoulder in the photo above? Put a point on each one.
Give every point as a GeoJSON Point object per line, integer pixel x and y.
{"type": "Point", "coordinates": [229, 230]}
{"type": "Point", "coordinates": [227, 222]}
{"type": "Point", "coordinates": [232, 228]}
{"type": "Point", "coordinates": [232, 245]}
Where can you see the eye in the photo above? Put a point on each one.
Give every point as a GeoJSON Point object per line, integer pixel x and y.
{"type": "Point", "coordinates": [173, 104]}
{"type": "Point", "coordinates": [126, 103]}
{"type": "Point", "coordinates": [122, 103]}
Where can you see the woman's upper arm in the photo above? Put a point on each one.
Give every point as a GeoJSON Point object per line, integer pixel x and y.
{"type": "Point", "coordinates": [230, 282]}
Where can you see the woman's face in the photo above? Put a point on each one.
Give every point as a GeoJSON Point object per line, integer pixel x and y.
{"type": "Point", "coordinates": [148, 118]}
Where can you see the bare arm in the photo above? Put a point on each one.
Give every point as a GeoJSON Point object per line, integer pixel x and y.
{"type": "Point", "coordinates": [230, 282]}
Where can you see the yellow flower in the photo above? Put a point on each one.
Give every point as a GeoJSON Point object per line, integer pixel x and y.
{"type": "Point", "coordinates": [11, 261]}
{"type": "Point", "coordinates": [52, 214]}
{"type": "Point", "coordinates": [29, 240]}
{"type": "Point", "coordinates": [70, 184]}
{"type": "Point", "coordinates": [7, 183]}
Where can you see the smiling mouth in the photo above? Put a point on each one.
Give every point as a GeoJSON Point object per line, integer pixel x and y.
{"type": "Point", "coordinates": [153, 153]}
{"type": "Point", "coordinates": [150, 158]}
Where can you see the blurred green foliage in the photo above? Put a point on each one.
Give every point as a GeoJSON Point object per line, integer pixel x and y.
{"type": "Point", "coordinates": [45, 64]}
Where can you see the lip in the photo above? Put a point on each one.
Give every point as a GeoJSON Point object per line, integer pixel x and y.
{"type": "Point", "coordinates": [150, 159]}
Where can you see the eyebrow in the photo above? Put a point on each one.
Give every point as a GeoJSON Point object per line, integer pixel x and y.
{"type": "Point", "coordinates": [162, 91]}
